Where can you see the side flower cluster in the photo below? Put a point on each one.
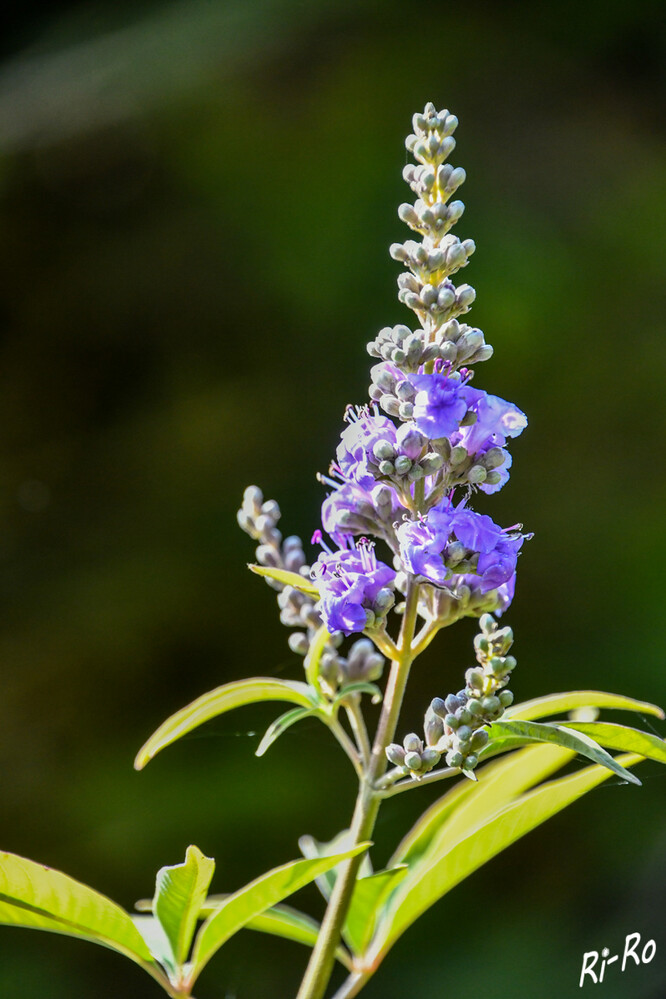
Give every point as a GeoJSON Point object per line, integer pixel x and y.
{"type": "Point", "coordinates": [456, 726]}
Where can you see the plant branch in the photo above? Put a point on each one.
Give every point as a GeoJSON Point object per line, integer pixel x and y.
{"type": "Point", "coordinates": [430, 778]}
{"type": "Point", "coordinates": [359, 728]}
{"type": "Point", "coordinates": [368, 801]}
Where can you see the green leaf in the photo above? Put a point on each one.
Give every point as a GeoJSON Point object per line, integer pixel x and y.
{"type": "Point", "coordinates": [361, 687]}
{"type": "Point", "coordinates": [312, 849]}
{"type": "Point", "coordinates": [282, 921]}
{"type": "Point", "coordinates": [180, 891]}
{"type": "Point", "coordinates": [369, 896]}
{"type": "Point", "coordinates": [280, 725]}
{"type": "Point", "coordinates": [440, 869]}
{"type": "Point", "coordinates": [313, 657]}
{"type": "Point", "coordinates": [288, 578]}
{"type": "Point", "coordinates": [263, 893]}
{"type": "Point", "coordinates": [38, 897]}
{"type": "Point", "coordinates": [466, 805]}
{"type": "Point", "coordinates": [623, 738]}
{"type": "Point", "coordinates": [553, 704]}
{"type": "Point", "coordinates": [217, 702]}
{"type": "Point", "coordinates": [507, 734]}
{"type": "Point", "coordinates": [157, 941]}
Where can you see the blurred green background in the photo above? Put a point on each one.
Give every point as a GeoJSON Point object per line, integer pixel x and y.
{"type": "Point", "coordinates": [196, 201]}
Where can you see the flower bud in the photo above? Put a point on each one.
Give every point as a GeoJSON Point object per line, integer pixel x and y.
{"type": "Point", "coordinates": [395, 755]}
{"type": "Point", "coordinates": [412, 743]}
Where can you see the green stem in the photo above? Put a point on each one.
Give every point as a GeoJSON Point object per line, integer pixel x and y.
{"type": "Point", "coordinates": [322, 959]}
{"type": "Point", "coordinates": [430, 778]}
{"type": "Point", "coordinates": [358, 726]}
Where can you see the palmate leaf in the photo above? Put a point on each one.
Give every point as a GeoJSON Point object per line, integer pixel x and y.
{"type": "Point", "coordinates": [286, 577]}
{"type": "Point", "coordinates": [571, 700]}
{"type": "Point", "coordinates": [217, 702]}
{"type": "Point", "coordinates": [38, 897]}
{"type": "Point", "coordinates": [282, 921]}
{"type": "Point", "coordinates": [261, 894]}
{"type": "Point", "coordinates": [508, 734]}
{"type": "Point", "coordinates": [443, 866]}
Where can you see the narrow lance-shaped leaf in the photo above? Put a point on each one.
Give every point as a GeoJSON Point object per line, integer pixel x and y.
{"type": "Point", "coordinates": [623, 738]}
{"type": "Point", "coordinates": [180, 891]}
{"type": "Point", "coordinates": [282, 921]}
{"type": "Point", "coordinates": [439, 870]}
{"type": "Point", "coordinates": [366, 906]}
{"type": "Point", "coordinates": [217, 702]}
{"type": "Point", "coordinates": [517, 732]}
{"type": "Point", "coordinates": [553, 704]}
{"type": "Point", "coordinates": [280, 725]}
{"type": "Point", "coordinates": [314, 656]}
{"type": "Point", "coordinates": [255, 898]}
{"type": "Point", "coordinates": [38, 897]}
{"type": "Point", "coordinates": [286, 577]}
{"type": "Point", "coordinates": [467, 805]}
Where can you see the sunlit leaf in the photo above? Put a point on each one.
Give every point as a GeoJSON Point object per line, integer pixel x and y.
{"type": "Point", "coordinates": [288, 578]}
{"type": "Point", "coordinates": [553, 704]}
{"type": "Point", "coordinates": [507, 734]}
{"type": "Point", "coordinates": [280, 725]}
{"type": "Point", "coordinates": [38, 897]}
{"type": "Point", "coordinates": [180, 891]}
{"type": "Point", "coordinates": [623, 738]}
{"type": "Point", "coordinates": [366, 905]}
{"type": "Point", "coordinates": [217, 702]}
{"type": "Point", "coordinates": [261, 894]}
{"type": "Point", "coordinates": [467, 805]}
{"type": "Point", "coordinates": [282, 921]}
{"type": "Point", "coordinates": [440, 869]}
{"type": "Point", "coordinates": [313, 657]}
{"type": "Point", "coordinates": [361, 687]}
{"type": "Point", "coordinates": [312, 848]}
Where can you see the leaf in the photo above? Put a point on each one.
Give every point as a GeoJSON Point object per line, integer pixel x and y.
{"type": "Point", "coordinates": [552, 704]}
{"type": "Point", "coordinates": [288, 578]}
{"type": "Point", "coordinates": [361, 687]}
{"type": "Point", "coordinates": [517, 732]}
{"type": "Point", "coordinates": [38, 897]}
{"type": "Point", "coordinates": [439, 870]}
{"type": "Point", "coordinates": [467, 805]}
{"type": "Point", "coordinates": [280, 725]}
{"type": "Point", "coordinates": [369, 896]}
{"type": "Point", "coordinates": [313, 657]}
{"type": "Point", "coordinates": [217, 702]}
{"type": "Point", "coordinates": [180, 891]}
{"type": "Point", "coordinates": [282, 921]}
{"type": "Point", "coordinates": [623, 738]}
{"type": "Point", "coordinates": [153, 933]}
{"type": "Point", "coordinates": [261, 894]}
{"type": "Point", "coordinates": [312, 848]}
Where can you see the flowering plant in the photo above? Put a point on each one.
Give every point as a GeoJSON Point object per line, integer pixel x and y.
{"type": "Point", "coordinates": [404, 553]}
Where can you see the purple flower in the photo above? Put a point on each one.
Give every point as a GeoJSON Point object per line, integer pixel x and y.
{"type": "Point", "coordinates": [496, 420]}
{"type": "Point", "coordinates": [350, 509]}
{"type": "Point", "coordinates": [451, 536]}
{"type": "Point", "coordinates": [353, 586]}
{"type": "Point", "coordinates": [440, 404]}
{"type": "Point", "coordinates": [355, 450]}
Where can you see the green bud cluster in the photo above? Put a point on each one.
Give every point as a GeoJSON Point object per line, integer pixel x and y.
{"type": "Point", "coordinates": [259, 518]}
{"type": "Point", "coordinates": [464, 717]}
{"type": "Point", "coordinates": [413, 758]}
{"type": "Point", "coordinates": [427, 287]}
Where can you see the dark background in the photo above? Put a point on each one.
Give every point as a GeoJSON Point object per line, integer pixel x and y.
{"type": "Point", "coordinates": [196, 201]}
